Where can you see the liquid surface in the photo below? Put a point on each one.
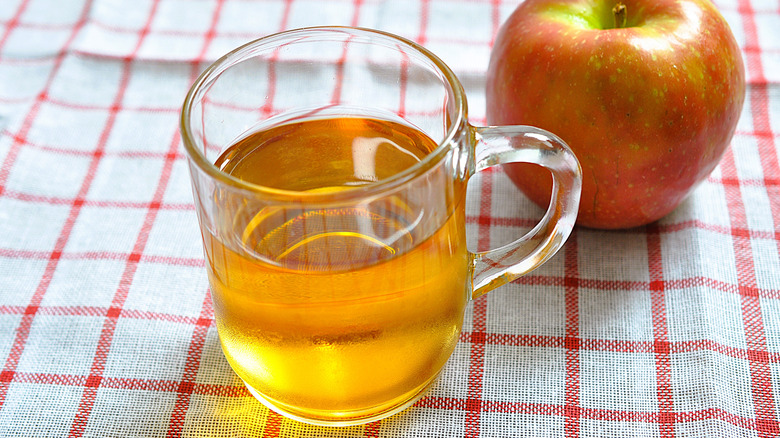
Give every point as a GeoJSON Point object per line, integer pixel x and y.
{"type": "Point", "coordinates": [326, 154]}
{"type": "Point", "coordinates": [341, 312]}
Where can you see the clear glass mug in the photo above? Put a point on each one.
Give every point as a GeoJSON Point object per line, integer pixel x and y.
{"type": "Point", "coordinates": [340, 277]}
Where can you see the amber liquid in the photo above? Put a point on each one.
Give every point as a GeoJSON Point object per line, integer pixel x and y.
{"type": "Point", "coordinates": [342, 313]}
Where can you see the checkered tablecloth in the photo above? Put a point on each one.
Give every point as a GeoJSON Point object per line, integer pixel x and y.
{"type": "Point", "coordinates": [106, 328]}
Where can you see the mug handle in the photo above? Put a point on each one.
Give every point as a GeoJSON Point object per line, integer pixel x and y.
{"type": "Point", "coordinates": [525, 144]}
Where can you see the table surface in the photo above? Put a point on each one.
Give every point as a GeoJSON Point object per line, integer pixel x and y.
{"type": "Point", "coordinates": [106, 327]}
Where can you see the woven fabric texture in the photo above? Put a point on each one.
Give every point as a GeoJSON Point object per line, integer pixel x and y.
{"type": "Point", "coordinates": [106, 326]}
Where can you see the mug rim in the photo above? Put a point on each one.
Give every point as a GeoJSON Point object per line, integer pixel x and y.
{"type": "Point", "coordinates": [197, 157]}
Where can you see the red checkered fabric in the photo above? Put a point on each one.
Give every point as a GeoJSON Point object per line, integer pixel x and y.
{"type": "Point", "coordinates": [106, 328]}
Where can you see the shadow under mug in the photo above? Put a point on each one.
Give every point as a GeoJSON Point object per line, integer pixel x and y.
{"type": "Point", "coordinates": [340, 307]}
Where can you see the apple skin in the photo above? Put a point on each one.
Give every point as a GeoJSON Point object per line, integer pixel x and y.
{"type": "Point", "coordinates": [649, 108]}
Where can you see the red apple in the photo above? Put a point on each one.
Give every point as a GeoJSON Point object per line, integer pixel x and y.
{"type": "Point", "coordinates": [647, 93]}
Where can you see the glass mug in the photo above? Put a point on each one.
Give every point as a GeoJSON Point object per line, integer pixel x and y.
{"type": "Point", "coordinates": [329, 168]}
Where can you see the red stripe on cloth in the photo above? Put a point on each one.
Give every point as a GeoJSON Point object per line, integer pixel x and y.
{"type": "Point", "coordinates": [12, 24]}
{"type": "Point", "coordinates": [767, 145]}
{"type": "Point", "coordinates": [760, 374]}
{"type": "Point", "coordinates": [124, 313]}
{"type": "Point", "coordinates": [617, 346]}
{"type": "Point", "coordinates": [191, 366]}
{"type": "Point", "coordinates": [79, 424]}
{"type": "Point", "coordinates": [17, 22]}
{"type": "Point", "coordinates": [663, 367]}
{"type": "Point", "coordinates": [662, 228]}
{"type": "Point", "coordinates": [760, 111]}
{"type": "Point", "coordinates": [460, 40]}
{"type": "Point", "coordinates": [520, 222]}
{"type": "Point", "coordinates": [371, 430]}
{"type": "Point", "coordinates": [336, 97]}
{"type": "Point", "coordinates": [767, 149]}
{"type": "Point", "coordinates": [478, 336]}
{"type": "Point", "coordinates": [20, 139]}
{"type": "Point", "coordinates": [755, 91]}
{"type": "Point", "coordinates": [572, 340]}
{"type": "Point", "coordinates": [404, 80]}
{"type": "Point", "coordinates": [682, 283]}
{"type": "Point", "coordinates": [356, 4]}
{"type": "Point", "coordinates": [114, 313]}
{"type": "Point", "coordinates": [53, 101]}
{"type": "Point", "coordinates": [751, 48]}
{"type": "Point", "coordinates": [135, 384]}
{"type": "Point", "coordinates": [484, 220]}
{"type": "Point", "coordinates": [273, 425]}
{"type": "Point", "coordinates": [23, 329]}
{"type": "Point", "coordinates": [267, 108]}
{"type": "Point", "coordinates": [285, 15]}
{"type": "Point", "coordinates": [441, 403]}
{"type": "Point", "coordinates": [199, 332]}
{"type": "Point", "coordinates": [425, 10]}
{"type": "Point", "coordinates": [755, 335]}
{"type": "Point", "coordinates": [473, 402]}
{"type": "Point", "coordinates": [591, 413]}
{"type": "Point", "coordinates": [517, 222]}
{"type": "Point", "coordinates": [87, 153]}
{"type": "Point", "coordinates": [82, 202]}
{"type": "Point", "coordinates": [495, 17]}
{"type": "Point", "coordinates": [91, 255]}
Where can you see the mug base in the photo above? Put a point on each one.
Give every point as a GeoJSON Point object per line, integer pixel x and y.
{"type": "Point", "coordinates": [342, 419]}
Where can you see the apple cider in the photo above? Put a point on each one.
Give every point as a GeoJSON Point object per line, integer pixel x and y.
{"type": "Point", "coordinates": [352, 308]}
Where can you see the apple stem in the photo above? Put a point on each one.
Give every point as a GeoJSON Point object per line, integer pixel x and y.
{"type": "Point", "coordinates": [619, 13]}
